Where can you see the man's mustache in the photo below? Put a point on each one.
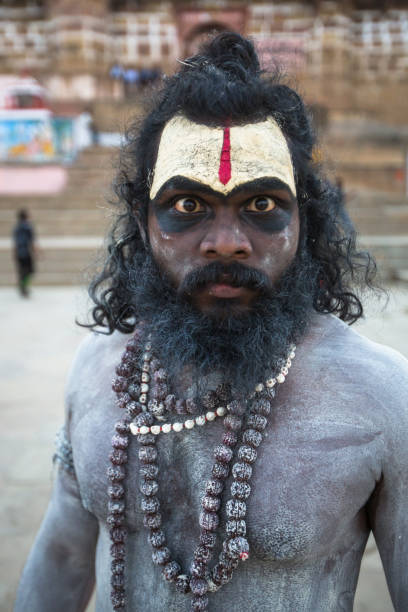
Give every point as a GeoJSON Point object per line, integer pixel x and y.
{"type": "Point", "coordinates": [234, 274]}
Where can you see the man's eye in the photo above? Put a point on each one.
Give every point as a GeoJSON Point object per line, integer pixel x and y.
{"type": "Point", "coordinates": [261, 204]}
{"type": "Point", "coordinates": [188, 205]}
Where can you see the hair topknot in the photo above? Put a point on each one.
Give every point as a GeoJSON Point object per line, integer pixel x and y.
{"type": "Point", "coordinates": [229, 53]}
{"type": "Point", "coordinates": [224, 82]}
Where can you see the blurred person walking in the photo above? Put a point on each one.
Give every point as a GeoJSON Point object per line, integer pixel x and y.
{"type": "Point", "coordinates": [24, 252]}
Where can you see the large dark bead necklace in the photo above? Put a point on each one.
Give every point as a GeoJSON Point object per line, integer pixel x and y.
{"type": "Point", "coordinates": [142, 391]}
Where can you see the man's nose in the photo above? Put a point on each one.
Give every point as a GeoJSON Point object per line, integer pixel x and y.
{"type": "Point", "coordinates": [226, 239]}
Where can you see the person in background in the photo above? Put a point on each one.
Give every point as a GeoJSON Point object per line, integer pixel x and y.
{"type": "Point", "coordinates": [24, 251]}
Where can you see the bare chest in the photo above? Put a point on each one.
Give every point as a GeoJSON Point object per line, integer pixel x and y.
{"type": "Point", "coordinates": [312, 478]}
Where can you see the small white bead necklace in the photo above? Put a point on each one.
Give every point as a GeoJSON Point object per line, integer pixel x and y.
{"type": "Point", "coordinates": [202, 419]}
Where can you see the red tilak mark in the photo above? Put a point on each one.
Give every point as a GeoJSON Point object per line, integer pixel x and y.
{"type": "Point", "coordinates": [224, 171]}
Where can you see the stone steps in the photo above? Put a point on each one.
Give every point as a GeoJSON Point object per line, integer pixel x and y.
{"type": "Point", "coordinates": [364, 160]}
{"type": "Point", "coordinates": [89, 181]}
{"type": "Point", "coordinates": [61, 222]}
{"type": "Point", "coordinates": [374, 200]}
{"type": "Point", "coordinates": [359, 176]}
{"type": "Point", "coordinates": [391, 220]}
{"type": "Point", "coordinates": [390, 252]}
{"type": "Point", "coordinates": [82, 199]}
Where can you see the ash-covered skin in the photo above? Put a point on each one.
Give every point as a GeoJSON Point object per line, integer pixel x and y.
{"type": "Point", "coordinates": [332, 466]}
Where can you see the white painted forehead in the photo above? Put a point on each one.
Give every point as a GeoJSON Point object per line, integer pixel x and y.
{"type": "Point", "coordinates": [195, 151]}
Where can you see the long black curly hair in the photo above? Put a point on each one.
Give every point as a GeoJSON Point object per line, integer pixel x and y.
{"type": "Point", "coordinates": [225, 82]}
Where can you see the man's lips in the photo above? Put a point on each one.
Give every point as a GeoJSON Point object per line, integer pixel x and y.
{"type": "Point", "coordinates": [223, 290]}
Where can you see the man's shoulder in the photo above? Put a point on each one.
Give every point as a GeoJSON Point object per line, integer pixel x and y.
{"type": "Point", "coordinates": [350, 359]}
{"type": "Point", "coordinates": [93, 369]}
{"type": "Point", "coordinates": [346, 343]}
{"type": "Point", "coordinates": [97, 346]}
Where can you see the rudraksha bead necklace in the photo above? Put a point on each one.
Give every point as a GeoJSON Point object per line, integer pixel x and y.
{"type": "Point", "coordinates": [142, 390]}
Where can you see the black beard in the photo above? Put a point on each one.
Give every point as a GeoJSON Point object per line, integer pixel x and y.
{"type": "Point", "coordinates": [244, 349]}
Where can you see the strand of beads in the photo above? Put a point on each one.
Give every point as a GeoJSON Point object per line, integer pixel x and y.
{"type": "Point", "coordinates": [116, 472]}
{"type": "Point", "coordinates": [211, 504]}
{"type": "Point", "coordinates": [157, 405]}
{"type": "Point", "coordinates": [236, 546]}
{"type": "Point", "coordinates": [209, 518]}
{"type": "Point", "coordinates": [149, 469]}
{"type": "Point", "coordinates": [200, 420]}
{"type": "Point", "coordinates": [150, 504]}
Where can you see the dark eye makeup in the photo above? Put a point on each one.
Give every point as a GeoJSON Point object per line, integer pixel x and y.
{"type": "Point", "coordinates": [272, 222]}
{"type": "Point", "coordinates": [180, 213]}
{"type": "Point", "coordinates": [268, 214]}
{"type": "Point", "coordinates": [172, 219]}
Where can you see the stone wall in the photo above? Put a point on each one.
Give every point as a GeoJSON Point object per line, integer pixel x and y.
{"type": "Point", "coordinates": [144, 39]}
{"type": "Point", "coordinates": [342, 58]}
{"type": "Point", "coordinates": [345, 60]}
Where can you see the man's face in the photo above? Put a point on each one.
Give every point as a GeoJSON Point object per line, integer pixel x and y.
{"type": "Point", "coordinates": [227, 196]}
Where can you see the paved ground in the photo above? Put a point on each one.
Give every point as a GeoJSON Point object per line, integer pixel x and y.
{"type": "Point", "coordinates": [38, 339]}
